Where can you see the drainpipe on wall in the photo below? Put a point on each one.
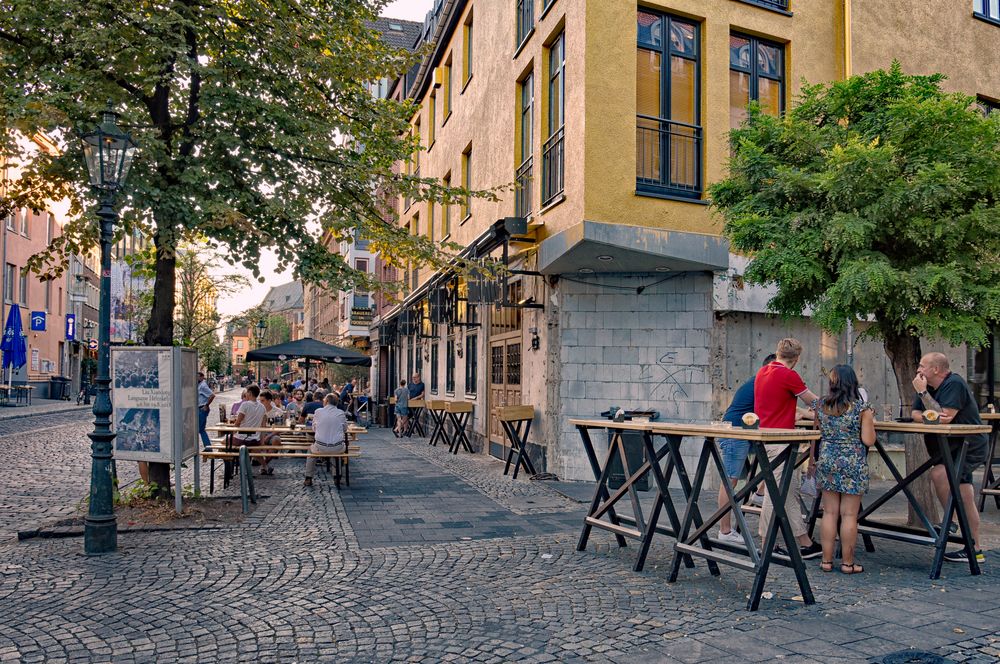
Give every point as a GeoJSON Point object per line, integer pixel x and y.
{"type": "Point", "coordinates": [848, 55]}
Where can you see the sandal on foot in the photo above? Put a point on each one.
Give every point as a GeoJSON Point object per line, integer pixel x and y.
{"type": "Point", "coordinates": [826, 565]}
{"type": "Point", "coordinates": [851, 568]}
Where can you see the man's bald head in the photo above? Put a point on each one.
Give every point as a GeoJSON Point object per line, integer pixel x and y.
{"type": "Point", "coordinates": [936, 361]}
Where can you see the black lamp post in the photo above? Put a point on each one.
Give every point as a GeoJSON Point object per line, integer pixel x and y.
{"type": "Point", "coordinates": [109, 153]}
{"type": "Point", "coordinates": [258, 332]}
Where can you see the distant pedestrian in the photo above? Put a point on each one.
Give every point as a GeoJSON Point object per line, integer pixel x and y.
{"type": "Point", "coordinates": [205, 398]}
{"type": "Point", "coordinates": [402, 395]}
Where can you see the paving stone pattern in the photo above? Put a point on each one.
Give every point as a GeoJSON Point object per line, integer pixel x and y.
{"type": "Point", "coordinates": [309, 577]}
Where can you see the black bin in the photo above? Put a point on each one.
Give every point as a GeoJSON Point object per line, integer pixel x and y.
{"type": "Point", "coordinates": [58, 387]}
{"type": "Point", "coordinates": [632, 440]}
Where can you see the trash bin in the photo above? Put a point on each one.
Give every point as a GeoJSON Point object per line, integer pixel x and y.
{"type": "Point", "coordinates": [632, 440]}
{"type": "Point", "coordinates": [59, 388]}
{"type": "Point", "coordinates": [383, 415]}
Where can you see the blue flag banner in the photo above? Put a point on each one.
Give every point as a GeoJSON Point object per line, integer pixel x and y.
{"type": "Point", "coordinates": [71, 327]}
{"type": "Point", "coordinates": [15, 350]}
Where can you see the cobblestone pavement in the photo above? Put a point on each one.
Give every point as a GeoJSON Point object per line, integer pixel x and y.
{"type": "Point", "coordinates": [309, 576]}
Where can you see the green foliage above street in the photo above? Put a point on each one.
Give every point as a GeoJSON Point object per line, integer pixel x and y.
{"type": "Point", "coordinates": [874, 196]}
{"type": "Point", "coordinates": [254, 119]}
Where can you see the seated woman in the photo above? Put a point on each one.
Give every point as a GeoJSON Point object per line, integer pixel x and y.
{"type": "Point", "coordinates": [273, 415]}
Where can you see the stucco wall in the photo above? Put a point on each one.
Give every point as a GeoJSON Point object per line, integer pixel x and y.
{"type": "Point", "coordinates": [928, 37]}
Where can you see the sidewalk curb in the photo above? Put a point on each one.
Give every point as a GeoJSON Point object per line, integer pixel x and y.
{"type": "Point", "coordinates": [30, 413]}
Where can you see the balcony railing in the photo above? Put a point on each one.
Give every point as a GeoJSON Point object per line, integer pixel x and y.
{"type": "Point", "coordinates": [668, 157]}
{"type": "Point", "coordinates": [553, 161]}
{"type": "Point", "coordinates": [522, 192]}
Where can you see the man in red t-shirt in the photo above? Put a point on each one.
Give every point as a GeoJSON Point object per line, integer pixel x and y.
{"type": "Point", "coordinates": [776, 390]}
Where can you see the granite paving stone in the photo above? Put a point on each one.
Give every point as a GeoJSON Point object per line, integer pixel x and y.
{"type": "Point", "coordinates": [433, 557]}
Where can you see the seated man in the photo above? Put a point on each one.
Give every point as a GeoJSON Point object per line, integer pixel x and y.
{"type": "Point", "coordinates": [314, 401]}
{"type": "Point", "coordinates": [330, 426]}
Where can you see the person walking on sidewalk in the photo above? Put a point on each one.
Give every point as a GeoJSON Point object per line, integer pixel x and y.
{"type": "Point", "coordinates": [330, 427]}
{"type": "Point", "coordinates": [205, 398]}
{"type": "Point", "coordinates": [777, 387]}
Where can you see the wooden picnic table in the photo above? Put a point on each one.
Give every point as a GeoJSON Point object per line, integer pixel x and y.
{"type": "Point", "coordinates": [691, 531]}
{"type": "Point", "coordinates": [436, 408]}
{"type": "Point", "coordinates": [22, 394]}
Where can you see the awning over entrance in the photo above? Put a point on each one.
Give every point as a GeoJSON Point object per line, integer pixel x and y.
{"type": "Point", "coordinates": [606, 247]}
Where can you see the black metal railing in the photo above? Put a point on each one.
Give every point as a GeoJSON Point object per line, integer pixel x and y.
{"type": "Point", "coordinates": [553, 162]}
{"type": "Point", "coordinates": [525, 19]}
{"type": "Point", "coordinates": [522, 190]}
{"type": "Point", "coordinates": [668, 156]}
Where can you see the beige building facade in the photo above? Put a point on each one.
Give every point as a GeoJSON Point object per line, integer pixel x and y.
{"type": "Point", "coordinates": [612, 118]}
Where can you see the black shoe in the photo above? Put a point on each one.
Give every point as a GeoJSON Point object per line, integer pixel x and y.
{"type": "Point", "coordinates": [813, 550]}
{"type": "Point", "coordinates": [960, 556]}
{"type": "Point", "coordinates": [952, 527]}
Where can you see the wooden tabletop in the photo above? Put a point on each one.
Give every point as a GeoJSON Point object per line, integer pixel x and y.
{"type": "Point", "coordinates": [708, 430]}
{"type": "Point", "coordinates": [942, 429]}
{"type": "Point", "coordinates": [232, 428]}
{"type": "Point", "coordinates": [989, 417]}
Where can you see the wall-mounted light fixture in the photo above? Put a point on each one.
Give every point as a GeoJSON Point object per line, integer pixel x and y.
{"type": "Point", "coordinates": [535, 341]}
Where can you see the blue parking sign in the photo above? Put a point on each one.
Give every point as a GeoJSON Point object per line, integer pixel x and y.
{"type": "Point", "coordinates": [37, 321]}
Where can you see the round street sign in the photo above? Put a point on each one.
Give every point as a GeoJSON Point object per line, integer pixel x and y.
{"type": "Point", "coordinates": [92, 344]}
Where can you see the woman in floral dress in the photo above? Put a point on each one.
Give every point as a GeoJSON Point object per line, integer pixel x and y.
{"type": "Point", "coordinates": [847, 429]}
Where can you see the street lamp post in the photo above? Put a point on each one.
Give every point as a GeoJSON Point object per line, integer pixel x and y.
{"type": "Point", "coordinates": [258, 332]}
{"type": "Point", "coordinates": [109, 153]}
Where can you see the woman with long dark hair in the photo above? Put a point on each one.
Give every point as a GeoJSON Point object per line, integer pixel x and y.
{"type": "Point", "coordinates": [847, 429]}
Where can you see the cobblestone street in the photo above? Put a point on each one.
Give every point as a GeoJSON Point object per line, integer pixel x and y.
{"type": "Point", "coordinates": [430, 557]}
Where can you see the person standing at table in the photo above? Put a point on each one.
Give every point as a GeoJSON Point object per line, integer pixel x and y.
{"type": "Point", "coordinates": [416, 389]}
{"type": "Point", "coordinates": [205, 398]}
{"type": "Point", "coordinates": [330, 426]}
{"type": "Point", "coordinates": [251, 416]}
{"type": "Point", "coordinates": [735, 451]}
{"type": "Point", "coordinates": [945, 392]}
{"type": "Point", "coordinates": [345, 394]}
{"type": "Point", "coordinates": [846, 423]}
{"type": "Point", "coordinates": [402, 409]}
{"type": "Point", "coordinates": [776, 391]}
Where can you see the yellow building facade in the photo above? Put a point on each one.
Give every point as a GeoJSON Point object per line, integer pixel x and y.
{"type": "Point", "coordinates": [612, 118]}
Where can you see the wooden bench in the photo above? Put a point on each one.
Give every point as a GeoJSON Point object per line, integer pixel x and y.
{"type": "Point", "coordinates": [516, 423]}
{"type": "Point", "coordinates": [341, 459]}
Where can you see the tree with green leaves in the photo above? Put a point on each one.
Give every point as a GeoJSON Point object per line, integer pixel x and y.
{"type": "Point", "coordinates": [255, 123]}
{"type": "Point", "coordinates": [874, 200]}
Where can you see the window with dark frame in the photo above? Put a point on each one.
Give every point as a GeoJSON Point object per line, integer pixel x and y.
{"type": "Point", "coordinates": [9, 281]}
{"type": "Point", "coordinates": [987, 9]}
{"type": "Point", "coordinates": [23, 294]}
{"type": "Point", "coordinates": [668, 110]}
{"type": "Point", "coordinates": [434, 367]}
{"type": "Point", "coordinates": [525, 19]}
{"type": "Point", "coordinates": [780, 5]}
{"type": "Point", "coordinates": [471, 363]}
{"type": "Point", "coordinates": [523, 176]}
{"type": "Point", "coordinates": [467, 53]}
{"type": "Point", "coordinates": [449, 370]}
{"type": "Point", "coordinates": [467, 181]}
{"type": "Point", "coordinates": [553, 151]}
{"type": "Point", "coordinates": [756, 73]}
{"type": "Point", "coordinates": [988, 106]}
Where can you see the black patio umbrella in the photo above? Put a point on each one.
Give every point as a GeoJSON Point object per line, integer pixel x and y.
{"type": "Point", "coordinates": [308, 349]}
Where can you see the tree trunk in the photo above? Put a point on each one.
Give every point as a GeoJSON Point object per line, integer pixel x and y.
{"type": "Point", "coordinates": [160, 332]}
{"type": "Point", "coordinates": [904, 353]}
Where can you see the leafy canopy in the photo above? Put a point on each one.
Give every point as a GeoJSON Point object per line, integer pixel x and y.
{"type": "Point", "coordinates": [874, 196]}
{"type": "Point", "coordinates": [252, 117]}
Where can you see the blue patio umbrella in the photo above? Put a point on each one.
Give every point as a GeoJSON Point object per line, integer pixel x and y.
{"type": "Point", "coordinates": [15, 351]}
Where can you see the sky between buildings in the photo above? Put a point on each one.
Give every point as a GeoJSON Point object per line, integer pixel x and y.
{"type": "Point", "coordinates": [410, 10]}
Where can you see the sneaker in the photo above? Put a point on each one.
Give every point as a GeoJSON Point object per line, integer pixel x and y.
{"type": "Point", "coordinates": [731, 536]}
{"type": "Point", "coordinates": [757, 500]}
{"type": "Point", "coordinates": [814, 550]}
{"type": "Point", "coordinates": [960, 556]}
{"type": "Point", "coordinates": [308, 482]}
{"type": "Point", "coordinates": [952, 527]}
